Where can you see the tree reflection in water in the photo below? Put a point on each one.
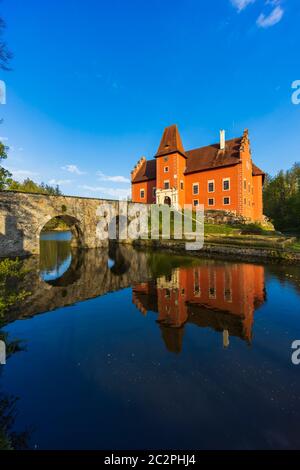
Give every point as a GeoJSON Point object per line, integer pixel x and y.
{"type": "Point", "coordinates": [12, 272]}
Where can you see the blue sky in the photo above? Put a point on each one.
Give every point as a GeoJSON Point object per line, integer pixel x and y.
{"type": "Point", "coordinates": [94, 83]}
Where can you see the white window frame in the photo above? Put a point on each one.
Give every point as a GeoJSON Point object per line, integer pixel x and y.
{"type": "Point", "coordinates": [181, 185]}
{"type": "Point", "coordinates": [208, 183]}
{"type": "Point", "coordinates": [197, 186]}
{"type": "Point", "coordinates": [167, 181]}
{"type": "Point", "coordinates": [226, 197]}
{"type": "Point", "coordinates": [226, 179]}
{"type": "Point", "coordinates": [142, 190]}
{"type": "Point", "coordinates": [166, 169]}
{"type": "Point", "coordinates": [211, 205]}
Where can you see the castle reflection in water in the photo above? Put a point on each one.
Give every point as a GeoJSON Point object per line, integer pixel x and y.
{"type": "Point", "coordinates": [223, 297]}
{"type": "Point", "coordinates": [219, 295]}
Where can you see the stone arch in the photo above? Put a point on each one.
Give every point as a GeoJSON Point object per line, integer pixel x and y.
{"type": "Point", "coordinates": [57, 254]}
{"type": "Point", "coordinates": [72, 223]}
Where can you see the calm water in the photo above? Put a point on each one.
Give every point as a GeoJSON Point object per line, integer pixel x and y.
{"type": "Point", "coordinates": [128, 350]}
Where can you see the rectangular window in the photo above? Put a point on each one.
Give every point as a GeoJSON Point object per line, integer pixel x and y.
{"type": "Point", "coordinates": [211, 201]}
{"type": "Point", "coordinates": [245, 201]}
{"type": "Point", "coordinates": [226, 201]}
{"type": "Point", "coordinates": [154, 192]}
{"type": "Point", "coordinates": [226, 184]}
{"type": "Point", "coordinates": [166, 169]}
{"type": "Point", "coordinates": [211, 186]}
{"type": "Point", "coordinates": [197, 290]}
{"type": "Point", "coordinates": [181, 185]}
{"type": "Point", "coordinates": [249, 187]}
{"type": "Point", "coordinates": [212, 285]}
{"type": "Point", "coordinates": [195, 189]}
{"type": "Point", "coordinates": [167, 184]}
{"type": "Point", "coordinates": [142, 193]}
{"type": "Point", "coordinates": [227, 286]}
{"type": "Point", "coordinates": [245, 185]}
{"type": "Point", "coordinates": [195, 202]}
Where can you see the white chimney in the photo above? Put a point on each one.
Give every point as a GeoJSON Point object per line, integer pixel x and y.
{"type": "Point", "coordinates": [222, 140]}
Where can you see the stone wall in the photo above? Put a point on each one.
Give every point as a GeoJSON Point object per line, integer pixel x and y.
{"type": "Point", "coordinates": [227, 217]}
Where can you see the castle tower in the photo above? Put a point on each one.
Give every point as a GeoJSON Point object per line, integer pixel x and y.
{"type": "Point", "coordinates": [170, 168]}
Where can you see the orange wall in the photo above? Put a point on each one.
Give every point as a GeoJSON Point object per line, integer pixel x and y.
{"type": "Point", "coordinates": [217, 175]}
{"type": "Point", "coordinates": [246, 183]}
{"type": "Point", "coordinates": [148, 188]}
{"type": "Point", "coordinates": [176, 164]}
{"type": "Point", "coordinates": [257, 198]}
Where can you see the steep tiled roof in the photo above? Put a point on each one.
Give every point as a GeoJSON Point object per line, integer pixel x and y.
{"type": "Point", "coordinates": [170, 142]}
{"type": "Point", "coordinates": [258, 172]}
{"type": "Point", "coordinates": [147, 172]}
{"type": "Point", "coordinates": [206, 158]}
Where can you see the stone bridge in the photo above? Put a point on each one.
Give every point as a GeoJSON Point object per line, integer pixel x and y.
{"type": "Point", "coordinates": [23, 216]}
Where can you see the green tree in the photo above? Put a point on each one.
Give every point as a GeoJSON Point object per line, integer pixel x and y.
{"type": "Point", "coordinates": [29, 186]}
{"type": "Point", "coordinates": [282, 199]}
{"type": "Point", "coordinates": [5, 175]}
{"type": "Point", "coordinates": [11, 272]}
{"type": "Point", "coordinates": [5, 57]}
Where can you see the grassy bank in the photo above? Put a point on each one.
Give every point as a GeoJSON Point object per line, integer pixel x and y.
{"type": "Point", "coordinates": [241, 242]}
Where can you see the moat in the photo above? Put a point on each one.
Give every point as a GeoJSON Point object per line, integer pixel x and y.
{"type": "Point", "coordinates": [127, 349]}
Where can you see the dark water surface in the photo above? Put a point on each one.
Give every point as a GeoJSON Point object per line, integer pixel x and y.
{"type": "Point", "coordinates": [128, 350]}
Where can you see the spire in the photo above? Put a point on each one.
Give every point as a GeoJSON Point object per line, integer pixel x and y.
{"type": "Point", "coordinates": [170, 142]}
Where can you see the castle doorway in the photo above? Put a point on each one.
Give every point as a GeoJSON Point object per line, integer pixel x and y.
{"type": "Point", "coordinates": [167, 201]}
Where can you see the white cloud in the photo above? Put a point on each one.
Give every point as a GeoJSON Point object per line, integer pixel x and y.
{"type": "Point", "coordinates": [55, 182]}
{"type": "Point", "coordinates": [113, 179]}
{"type": "Point", "coordinates": [3, 139]}
{"type": "Point", "coordinates": [241, 4]}
{"type": "Point", "coordinates": [114, 193]}
{"type": "Point", "coordinates": [73, 169]}
{"type": "Point", "coordinates": [266, 21]}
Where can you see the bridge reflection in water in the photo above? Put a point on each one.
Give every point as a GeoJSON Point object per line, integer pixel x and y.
{"type": "Point", "coordinates": [211, 294]}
